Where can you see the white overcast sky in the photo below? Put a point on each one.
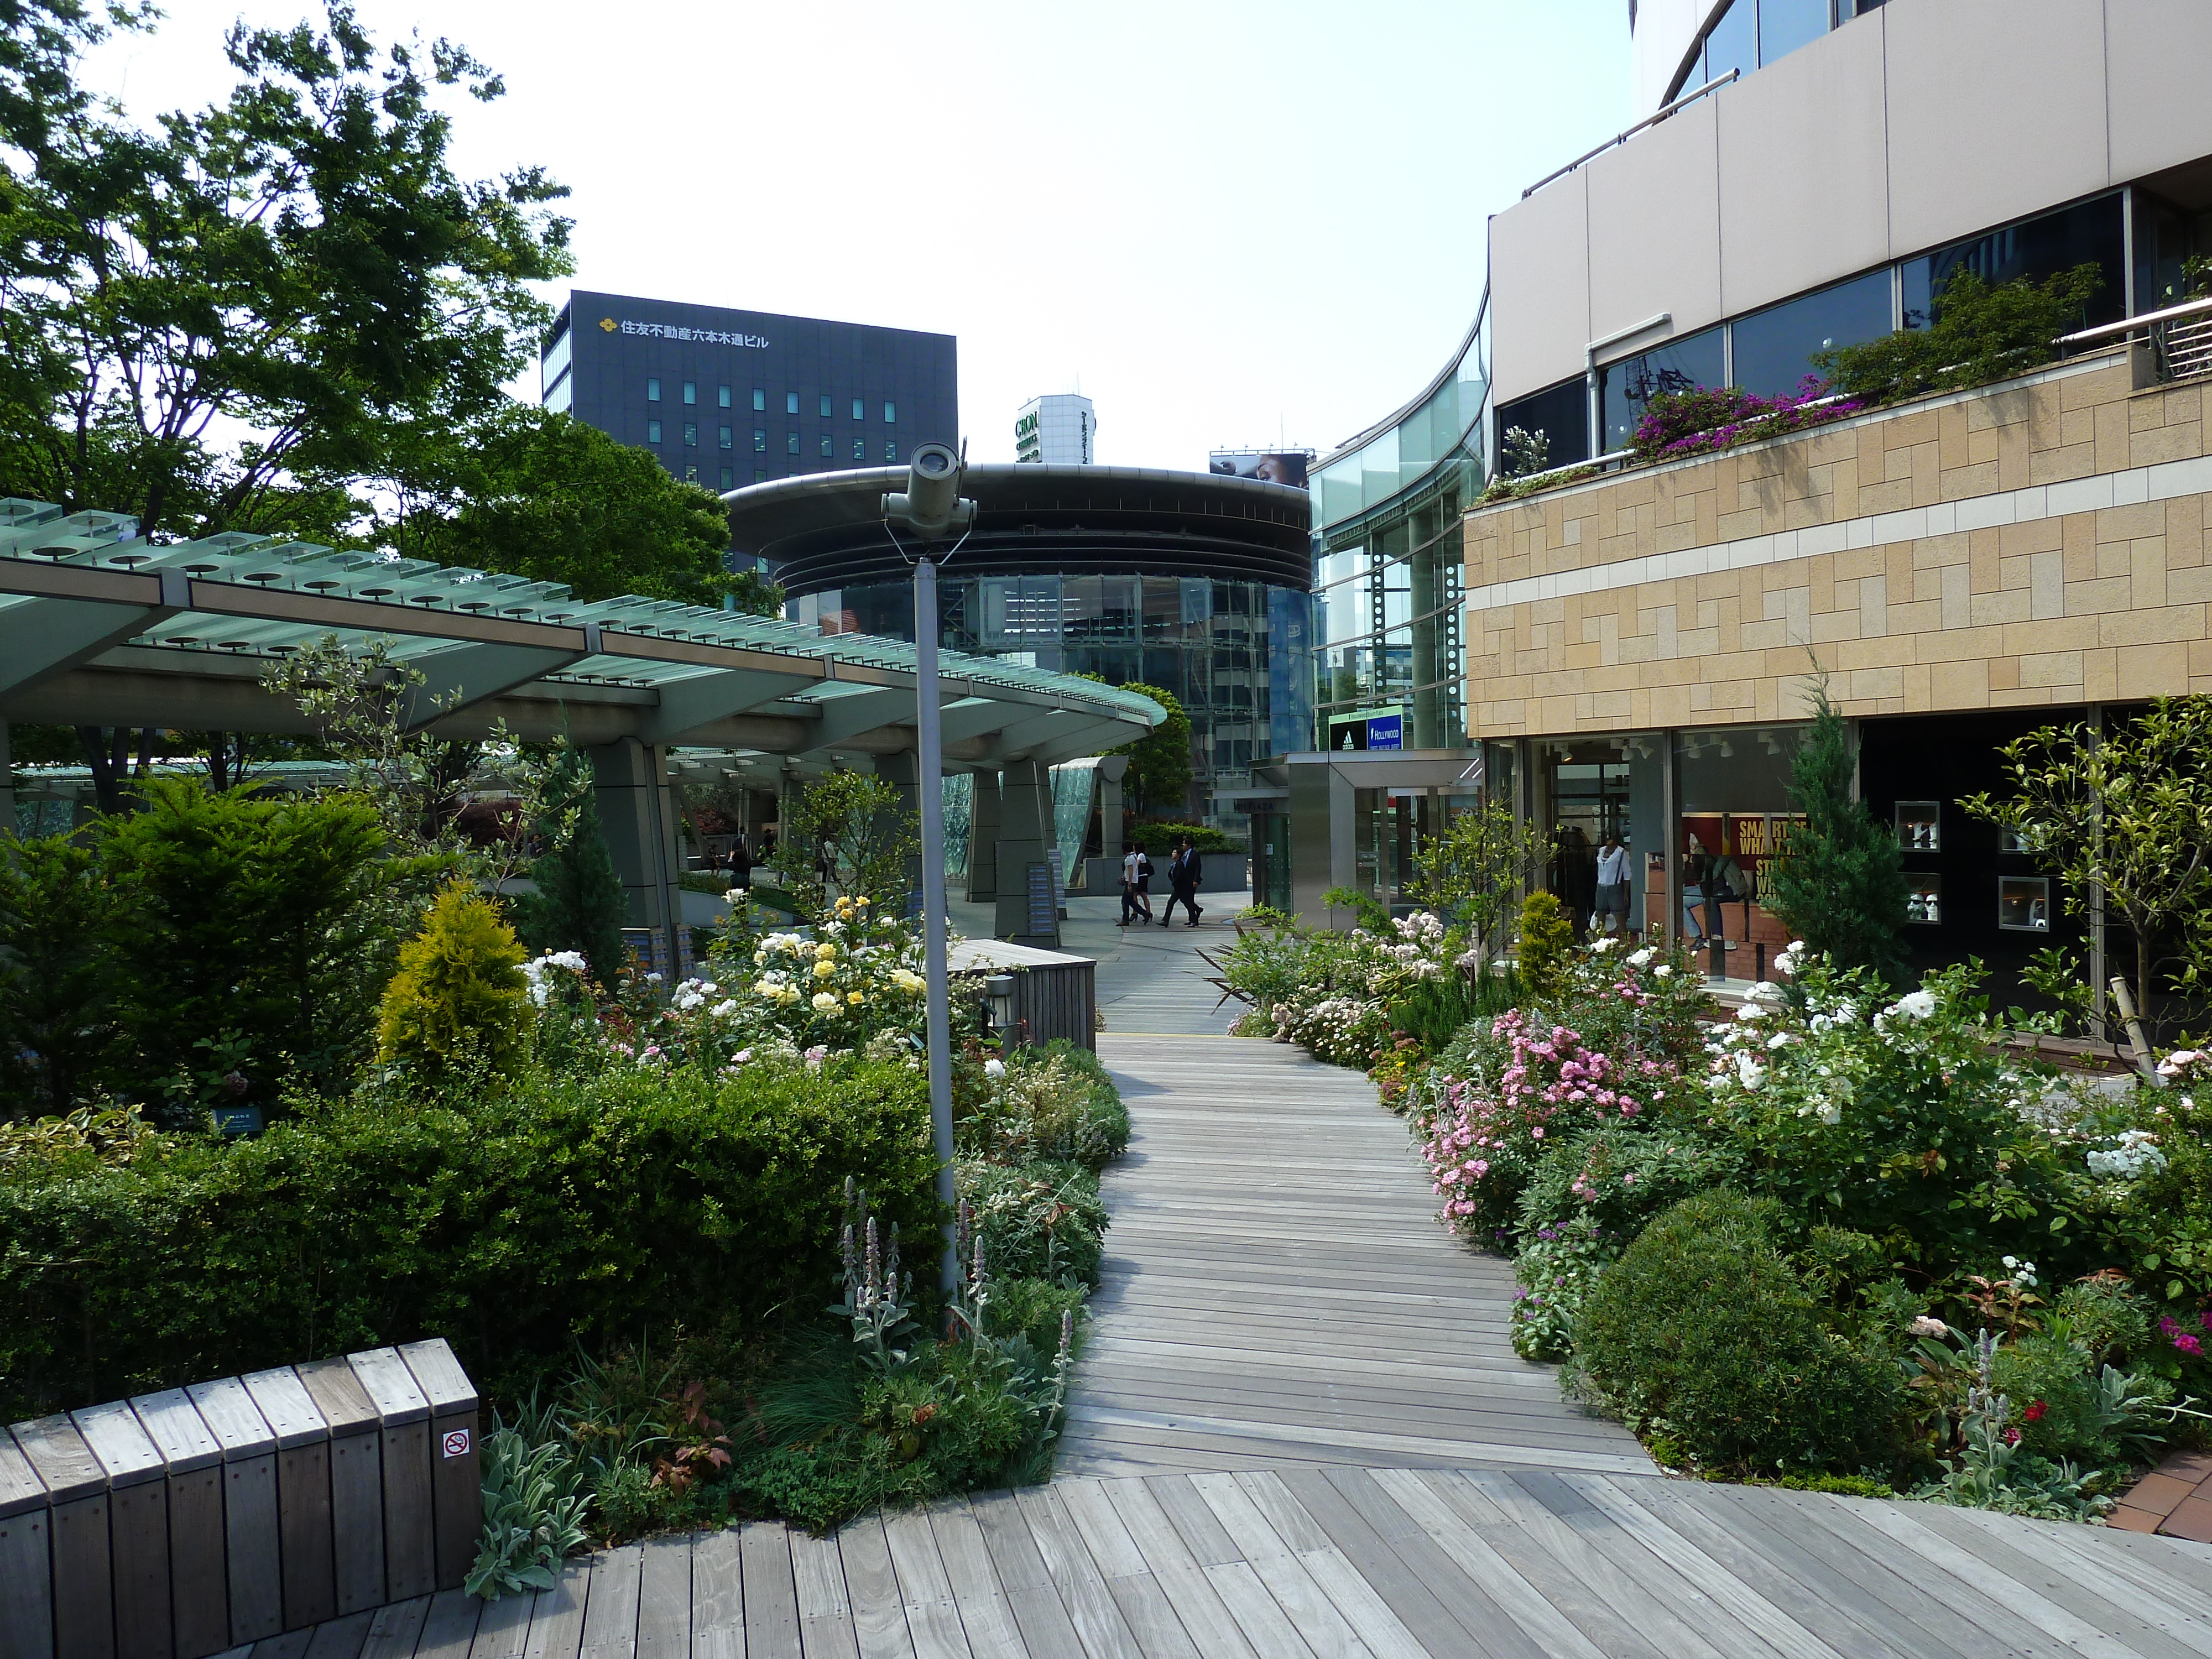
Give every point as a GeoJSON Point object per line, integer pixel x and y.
{"type": "Point", "coordinates": [1228, 225]}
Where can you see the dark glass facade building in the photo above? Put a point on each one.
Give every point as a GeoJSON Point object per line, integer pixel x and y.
{"type": "Point", "coordinates": [729, 398]}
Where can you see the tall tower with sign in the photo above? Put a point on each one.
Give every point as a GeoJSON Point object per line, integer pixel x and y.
{"type": "Point", "coordinates": [1057, 430]}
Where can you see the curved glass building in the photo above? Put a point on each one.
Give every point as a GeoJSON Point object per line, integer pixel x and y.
{"type": "Point", "coordinates": [1197, 583]}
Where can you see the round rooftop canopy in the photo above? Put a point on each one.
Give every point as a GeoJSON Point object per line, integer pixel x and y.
{"type": "Point", "coordinates": [826, 529]}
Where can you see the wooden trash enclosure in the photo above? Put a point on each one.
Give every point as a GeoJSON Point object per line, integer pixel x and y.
{"type": "Point", "coordinates": [185, 1522]}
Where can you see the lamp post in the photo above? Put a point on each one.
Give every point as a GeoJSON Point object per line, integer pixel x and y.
{"type": "Point", "coordinates": [931, 509]}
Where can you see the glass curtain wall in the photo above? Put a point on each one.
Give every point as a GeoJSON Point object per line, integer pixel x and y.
{"type": "Point", "coordinates": [1734, 816]}
{"type": "Point", "coordinates": [1586, 789]}
{"type": "Point", "coordinates": [1213, 644]}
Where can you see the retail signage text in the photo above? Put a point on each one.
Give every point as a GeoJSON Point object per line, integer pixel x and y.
{"type": "Point", "coordinates": [696, 336]}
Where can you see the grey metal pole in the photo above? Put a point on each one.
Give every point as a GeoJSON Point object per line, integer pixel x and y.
{"type": "Point", "coordinates": [929, 740]}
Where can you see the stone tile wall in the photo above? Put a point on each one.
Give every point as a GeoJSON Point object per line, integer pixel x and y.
{"type": "Point", "coordinates": [2043, 541]}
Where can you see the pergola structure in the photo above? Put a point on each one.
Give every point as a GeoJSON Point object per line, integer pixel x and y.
{"type": "Point", "coordinates": [100, 627]}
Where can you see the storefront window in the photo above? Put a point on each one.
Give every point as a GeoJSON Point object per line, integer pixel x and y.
{"type": "Point", "coordinates": [1773, 348]}
{"type": "Point", "coordinates": [1595, 795]}
{"type": "Point", "coordinates": [1625, 388]}
{"type": "Point", "coordinates": [1735, 817]}
{"type": "Point", "coordinates": [2088, 234]}
{"type": "Point", "coordinates": [1559, 416]}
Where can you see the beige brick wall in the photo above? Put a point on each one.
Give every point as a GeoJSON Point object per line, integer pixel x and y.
{"type": "Point", "coordinates": [2098, 589]}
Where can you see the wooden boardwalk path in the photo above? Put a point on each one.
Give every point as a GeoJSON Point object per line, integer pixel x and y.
{"type": "Point", "coordinates": [1300, 1433]}
{"type": "Point", "coordinates": [1277, 1292]}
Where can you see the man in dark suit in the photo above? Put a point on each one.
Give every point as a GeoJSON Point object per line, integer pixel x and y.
{"type": "Point", "coordinates": [1182, 883]}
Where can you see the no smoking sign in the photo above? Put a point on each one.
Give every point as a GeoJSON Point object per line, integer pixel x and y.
{"type": "Point", "coordinates": [456, 1443]}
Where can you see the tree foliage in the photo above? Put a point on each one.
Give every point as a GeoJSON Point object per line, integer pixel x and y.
{"type": "Point", "coordinates": [1839, 884]}
{"type": "Point", "coordinates": [1158, 778]}
{"type": "Point", "coordinates": [459, 997]}
{"type": "Point", "coordinates": [2127, 814]}
{"type": "Point", "coordinates": [858, 831]}
{"type": "Point", "coordinates": [579, 904]}
{"type": "Point", "coordinates": [1473, 871]}
{"type": "Point", "coordinates": [58, 918]}
{"type": "Point", "coordinates": [219, 323]}
{"type": "Point", "coordinates": [1979, 332]}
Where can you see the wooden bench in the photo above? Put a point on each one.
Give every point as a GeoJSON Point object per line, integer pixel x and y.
{"type": "Point", "coordinates": [185, 1522]}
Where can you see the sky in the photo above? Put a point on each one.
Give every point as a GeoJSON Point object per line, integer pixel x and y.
{"type": "Point", "coordinates": [1230, 226]}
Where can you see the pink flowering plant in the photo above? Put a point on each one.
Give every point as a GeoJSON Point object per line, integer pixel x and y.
{"type": "Point", "coordinates": [1702, 419]}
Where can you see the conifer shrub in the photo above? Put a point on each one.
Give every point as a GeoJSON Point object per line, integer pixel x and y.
{"type": "Point", "coordinates": [1839, 884]}
{"type": "Point", "coordinates": [1547, 934]}
{"type": "Point", "coordinates": [579, 904]}
{"type": "Point", "coordinates": [1705, 1338]}
{"type": "Point", "coordinates": [459, 994]}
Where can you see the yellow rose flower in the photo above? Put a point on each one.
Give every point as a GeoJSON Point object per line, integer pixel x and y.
{"type": "Point", "coordinates": [854, 998]}
{"type": "Point", "coordinates": [825, 951]}
{"type": "Point", "coordinates": [824, 970]}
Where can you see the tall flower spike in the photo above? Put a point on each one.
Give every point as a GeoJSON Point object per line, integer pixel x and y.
{"type": "Point", "coordinates": [1066, 1332]}
{"type": "Point", "coordinates": [875, 1265]}
{"type": "Point", "coordinates": [978, 1282]}
{"type": "Point", "coordinates": [845, 1251]}
{"type": "Point", "coordinates": [891, 1267]}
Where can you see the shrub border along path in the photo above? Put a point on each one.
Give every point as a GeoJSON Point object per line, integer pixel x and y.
{"type": "Point", "coordinates": [1319, 1555]}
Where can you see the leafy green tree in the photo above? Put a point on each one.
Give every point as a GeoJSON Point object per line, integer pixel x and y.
{"type": "Point", "coordinates": [2126, 814]}
{"type": "Point", "coordinates": [860, 827]}
{"type": "Point", "coordinates": [579, 904]}
{"type": "Point", "coordinates": [1547, 936]}
{"type": "Point", "coordinates": [1839, 884]}
{"type": "Point", "coordinates": [537, 493]}
{"type": "Point", "coordinates": [57, 943]}
{"type": "Point", "coordinates": [219, 323]}
{"type": "Point", "coordinates": [1158, 778]}
{"type": "Point", "coordinates": [1978, 333]}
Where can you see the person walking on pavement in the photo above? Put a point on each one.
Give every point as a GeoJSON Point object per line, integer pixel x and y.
{"type": "Point", "coordinates": [1182, 883]}
{"type": "Point", "coordinates": [1134, 903]}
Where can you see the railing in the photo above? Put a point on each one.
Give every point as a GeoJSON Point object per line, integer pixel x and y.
{"type": "Point", "coordinates": [1653, 120]}
{"type": "Point", "coordinates": [2180, 338]}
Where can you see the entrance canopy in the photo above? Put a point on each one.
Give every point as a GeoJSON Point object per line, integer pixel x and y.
{"type": "Point", "coordinates": [99, 628]}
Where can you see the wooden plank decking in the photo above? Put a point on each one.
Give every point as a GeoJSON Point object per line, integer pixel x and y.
{"type": "Point", "coordinates": [1300, 1433]}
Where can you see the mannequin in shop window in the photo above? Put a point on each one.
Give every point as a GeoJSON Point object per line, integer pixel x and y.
{"type": "Point", "coordinates": [1613, 887]}
{"type": "Point", "coordinates": [1709, 880]}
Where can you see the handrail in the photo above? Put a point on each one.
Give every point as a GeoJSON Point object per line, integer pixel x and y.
{"type": "Point", "coordinates": [2191, 308]}
{"type": "Point", "coordinates": [1653, 120]}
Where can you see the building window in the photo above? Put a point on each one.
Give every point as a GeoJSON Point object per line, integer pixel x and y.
{"type": "Point", "coordinates": [891, 450]}
{"type": "Point", "coordinates": [690, 434]}
{"type": "Point", "coordinates": [692, 475]}
{"type": "Point", "coordinates": [827, 452]}
{"type": "Point", "coordinates": [760, 401]}
{"type": "Point", "coordinates": [1773, 349]}
{"type": "Point", "coordinates": [860, 410]}
{"type": "Point", "coordinates": [728, 438]}
{"type": "Point", "coordinates": [791, 443]}
{"type": "Point", "coordinates": [1786, 24]}
{"type": "Point", "coordinates": [2089, 234]}
{"type": "Point", "coordinates": [653, 431]}
{"type": "Point", "coordinates": [1625, 387]}
{"type": "Point", "coordinates": [724, 392]}
{"type": "Point", "coordinates": [729, 477]}
{"type": "Point", "coordinates": [860, 449]}
{"type": "Point", "coordinates": [825, 406]}
{"type": "Point", "coordinates": [1559, 416]}
{"type": "Point", "coordinates": [1733, 42]}
{"type": "Point", "coordinates": [760, 441]}
{"type": "Point", "coordinates": [652, 390]}
{"type": "Point", "coordinates": [790, 403]}
{"type": "Point", "coordinates": [891, 413]}
{"type": "Point", "coordinates": [690, 391]}
{"type": "Point", "coordinates": [759, 476]}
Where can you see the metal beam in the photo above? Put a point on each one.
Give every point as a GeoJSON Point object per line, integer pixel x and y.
{"type": "Point", "coordinates": [974, 717]}
{"type": "Point", "coordinates": [1039, 728]}
{"type": "Point", "coordinates": [1089, 738]}
{"type": "Point", "coordinates": [458, 676]}
{"type": "Point", "coordinates": [700, 700]}
{"type": "Point", "coordinates": [40, 638]}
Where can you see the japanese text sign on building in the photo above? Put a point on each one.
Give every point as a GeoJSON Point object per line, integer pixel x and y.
{"type": "Point", "coordinates": [696, 336]}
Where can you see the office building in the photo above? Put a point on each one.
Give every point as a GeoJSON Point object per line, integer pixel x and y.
{"type": "Point", "coordinates": [1190, 582]}
{"type": "Point", "coordinates": [728, 398]}
{"type": "Point", "coordinates": [1057, 430]}
{"type": "Point", "coordinates": [1634, 646]}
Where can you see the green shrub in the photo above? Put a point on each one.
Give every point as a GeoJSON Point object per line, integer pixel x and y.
{"type": "Point", "coordinates": [571, 1208]}
{"type": "Point", "coordinates": [1055, 1103]}
{"type": "Point", "coordinates": [1555, 1271]}
{"type": "Point", "coordinates": [1032, 1308]}
{"type": "Point", "coordinates": [579, 904]}
{"type": "Point", "coordinates": [1703, 1334]}
{"type": "Point", "coordinates": [1038, 1220]}
{"type": "Point", "coordinates": [1619, 1177]}
{"type": "Point", "coordinates": [1159, 838]}
{"type": "Point", "coordinates": [1979, 333]}
{"type": "Point", "coordinates": [1546, 936]}
{"type": "Point", "coordinates": [58, 921]}
{"type": "Point", "coordinates": [460, 994]}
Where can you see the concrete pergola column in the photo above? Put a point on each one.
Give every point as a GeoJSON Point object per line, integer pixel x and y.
{"type": "Point", "coordinates": [983, 840]}
{"type": "Point", "coordinates": [904, 771]}
{"type": "Point", "coordinates": [1025, 840]}
{"type": "Point", "coordinates": [637, 814]}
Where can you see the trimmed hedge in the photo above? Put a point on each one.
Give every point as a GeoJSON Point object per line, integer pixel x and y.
{"type": "Point", "coordinates": [574, 1208]}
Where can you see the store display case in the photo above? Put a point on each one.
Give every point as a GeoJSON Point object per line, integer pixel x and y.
{"type": "Point", "coordinates": [1920, 826]}
{"type": "Point", "coordinates": [2024, 903]}
{"type": "Point", "coordinates": [1923, 899]}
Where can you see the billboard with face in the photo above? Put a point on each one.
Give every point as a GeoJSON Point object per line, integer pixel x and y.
{"type": "Point", "coordinates": [1282, 466]}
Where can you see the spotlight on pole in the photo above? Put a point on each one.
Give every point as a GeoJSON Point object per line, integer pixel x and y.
{"type": "Point", "coordinates": [931, 510]}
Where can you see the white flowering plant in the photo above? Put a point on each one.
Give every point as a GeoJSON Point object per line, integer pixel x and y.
{"type": "Point", "coordinates": [1900, 1117]}
{"type": "Point", "coordinates": [1331, 993]}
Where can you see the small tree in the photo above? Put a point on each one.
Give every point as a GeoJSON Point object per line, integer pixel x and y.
{"type": "Point", "coordinates": [2126, 815]}
{"type": "Point", "coordinates": [858, 828]}
{"type": "Point", "coordinates": [1547, 934]}
{"type": "Point", "coordinates": [1839, 882]}
{"type": "Point", "coordinates": [1471, 873]}
{"type": "Point", "coordinates": [460, 994]}
{"type": "Point", "coordinates": [579, 904]}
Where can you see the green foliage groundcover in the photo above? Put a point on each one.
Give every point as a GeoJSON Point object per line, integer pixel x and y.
{"type": "Point", "coordinates": [568, 1208]}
